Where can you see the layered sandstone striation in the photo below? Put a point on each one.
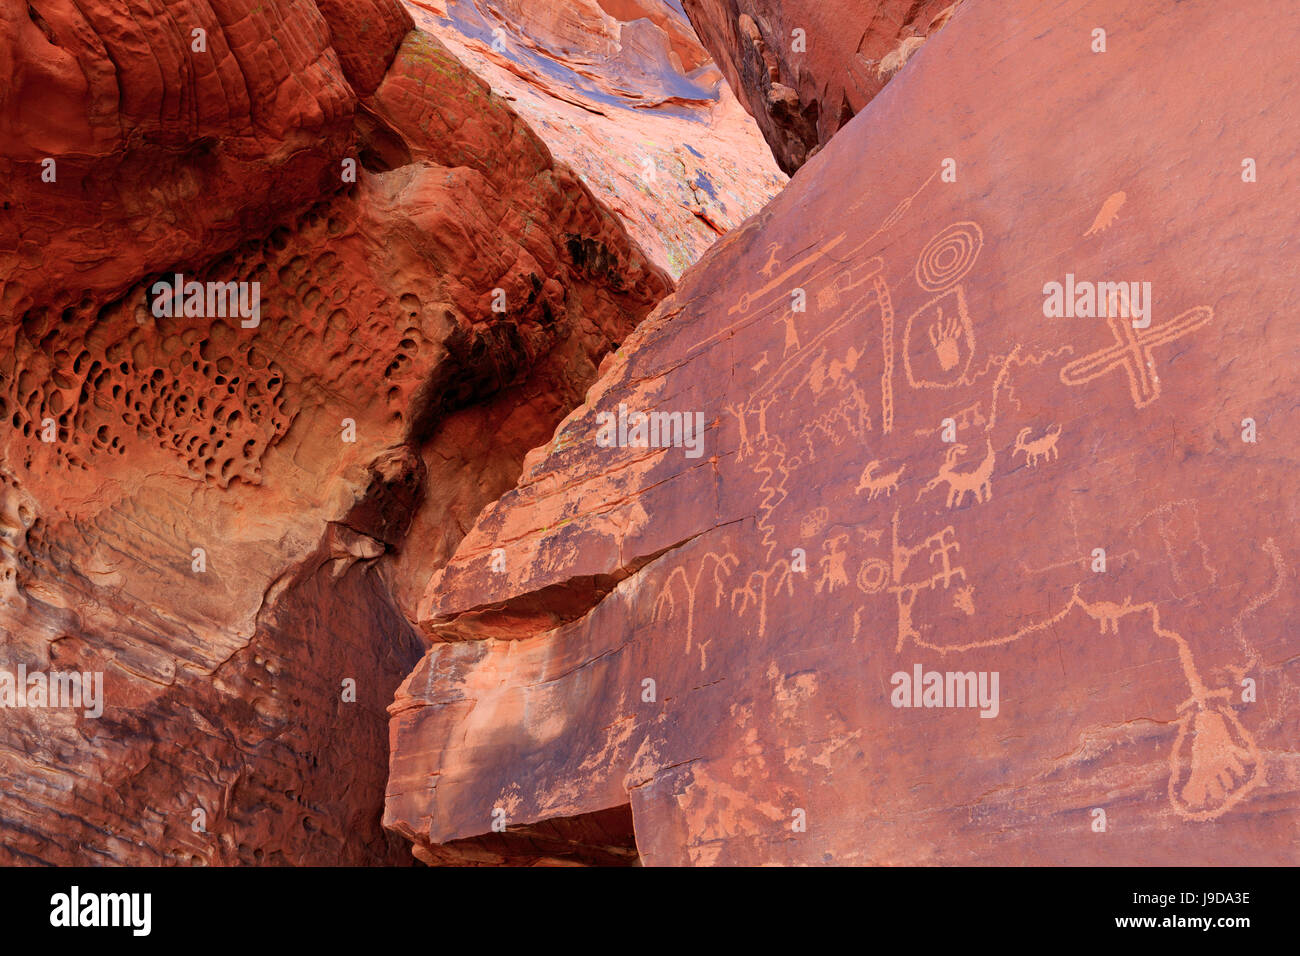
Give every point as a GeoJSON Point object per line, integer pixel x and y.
{"type": "Point", "coordinates": [807, 67]}
{"type": "Point", "coordinates": [623, 93]}
{"type": "Point", "coordinates": [211, 510]}
{"type": "Point", "coordinates": [916, 460]}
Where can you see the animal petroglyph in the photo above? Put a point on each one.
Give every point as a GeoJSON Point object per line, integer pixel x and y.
{"type": "Point", "coordinates": [1042, 447]}
{"type": "Point", "coordinates": [1108, 213]}
{"type": "Point", "coordinates": [780, 283]}
{"type": "Point", "coordinates": [874, 484]}
{"type": "Point", "coordinates": [1107, 613]}
{"type": "Point", "coordinates": [1132, 353]}
{"type": "Point", "coordinates": [1214, 762]}
{"type": "Point", "coordinates": [960, 483]}
{"type": "Point", "coordinates": [770, 266]}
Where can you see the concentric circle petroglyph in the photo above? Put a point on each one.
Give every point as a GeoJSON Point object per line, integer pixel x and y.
{"type": "Point", "coordinates": [948, 256]}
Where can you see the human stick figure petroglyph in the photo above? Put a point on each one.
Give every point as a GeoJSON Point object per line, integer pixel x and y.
{"type": "Point", "coordinates": [854, 276]}
{"type": "Point", "coordinates": [780, 283]}
{"type": "Point", "coordinates": [941, 546]}
{"type": "Point", "coordinates": [1214, 762]}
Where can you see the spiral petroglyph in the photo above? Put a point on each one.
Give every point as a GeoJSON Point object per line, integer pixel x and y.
{"type": "Point", "coordinates": [949, 256]}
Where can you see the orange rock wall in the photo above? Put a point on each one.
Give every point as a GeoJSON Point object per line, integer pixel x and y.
{"type": "Point", "coordinates": [911, 465]}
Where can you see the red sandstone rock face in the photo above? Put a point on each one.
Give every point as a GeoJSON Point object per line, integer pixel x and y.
{"type": "Point", "coordinates": [217, 522]}
{"type": "Point", "coordinates": [183, 152]}
{"type": "Point", "coordinates": [624, 94]}
{"type": "Point", "coordinates": [807, 67]}
{"type": "Point", "coordinates": [721, 642]}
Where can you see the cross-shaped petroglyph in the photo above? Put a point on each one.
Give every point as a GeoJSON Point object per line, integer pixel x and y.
{"type": "Point", "coordinates": [1132, 353]}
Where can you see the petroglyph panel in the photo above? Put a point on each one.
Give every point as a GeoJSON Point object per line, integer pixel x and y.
{"type": "Point", "coordinates": [923, 469]}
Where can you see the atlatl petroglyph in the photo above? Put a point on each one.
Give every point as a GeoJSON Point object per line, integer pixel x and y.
{"type": "Point", "coordinates": [778, 287]}
{"type": "Point", "coordinates": [851, 283]}
{"type": "Point", "coordinates": [939, 546]}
